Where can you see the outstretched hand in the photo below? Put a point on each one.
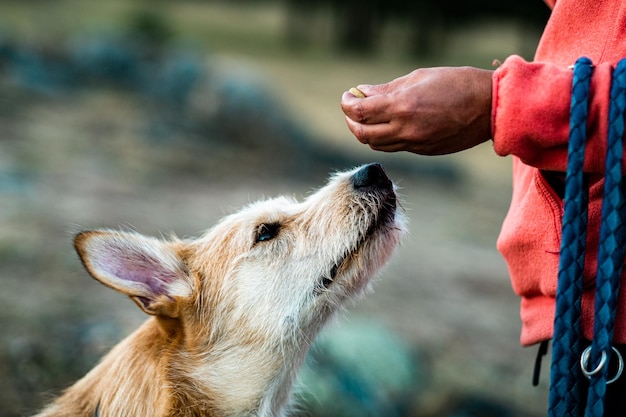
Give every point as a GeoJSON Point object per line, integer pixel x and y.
{"type": "Point", "coordinates": [431, 111]}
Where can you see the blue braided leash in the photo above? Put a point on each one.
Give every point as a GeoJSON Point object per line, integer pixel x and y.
{"type": "Point", "coordinates": [611, 249]}
{"type": "Point", "coordinates": [564, 398]}
{"type": "Point", "coordinates": [565, 392]}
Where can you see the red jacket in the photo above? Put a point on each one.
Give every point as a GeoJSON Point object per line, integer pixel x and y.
{"type": "Point", "coordinates": [530, 120]}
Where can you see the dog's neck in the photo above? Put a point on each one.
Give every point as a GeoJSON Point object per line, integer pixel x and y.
{"type": "Point", "coordinates": [242, 379]}
{"type": "Point", "coordinates": [224, 381]}
{"type": "Point", "coordinates": [247, 384]}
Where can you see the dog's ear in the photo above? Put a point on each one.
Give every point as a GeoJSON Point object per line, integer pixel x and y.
{"type": "Point", "coordinates": [146, 269]}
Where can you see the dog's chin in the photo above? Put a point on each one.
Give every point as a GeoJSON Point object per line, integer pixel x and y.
{"type": "Point", "coordinates": [355, 266]}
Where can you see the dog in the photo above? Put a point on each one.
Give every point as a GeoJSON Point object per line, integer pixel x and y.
{"type": "Point", "coordinates": [233, 312]}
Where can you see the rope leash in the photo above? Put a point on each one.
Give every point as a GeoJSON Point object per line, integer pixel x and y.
{"type": "Point", "coordinates": [565, 397]}
{"type": "Point", "coordinates": [611, 249]}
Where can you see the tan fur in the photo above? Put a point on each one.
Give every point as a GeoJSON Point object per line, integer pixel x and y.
{"type": "Point", "coordinates": [235, 310]}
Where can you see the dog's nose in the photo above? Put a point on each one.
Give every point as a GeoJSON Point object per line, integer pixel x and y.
{"type": "Point", "coordinates": [371, 175]}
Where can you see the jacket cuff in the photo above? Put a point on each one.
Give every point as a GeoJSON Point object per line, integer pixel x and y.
{"type": "Point", "coordinates": [530, 113]}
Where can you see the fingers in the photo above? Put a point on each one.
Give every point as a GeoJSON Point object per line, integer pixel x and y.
{"type": "Point", "coordinates": [368, 118]}
{"type": "Point", "coordinates": [430, 111]}
{"type": "Point", "coordinates": [379, 136]}
{"type": "Point", "coordinates": [369, 110]}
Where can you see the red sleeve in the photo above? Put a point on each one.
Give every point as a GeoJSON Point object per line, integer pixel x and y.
{"type": "Point", "coordinates": [530, 113]}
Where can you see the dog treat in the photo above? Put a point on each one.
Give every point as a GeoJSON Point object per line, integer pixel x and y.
{"type": "Point", "coordinates": [357, 93]}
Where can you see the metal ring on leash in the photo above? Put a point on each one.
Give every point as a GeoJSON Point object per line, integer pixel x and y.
{"type": "Point", "coordinates": [584, 361]}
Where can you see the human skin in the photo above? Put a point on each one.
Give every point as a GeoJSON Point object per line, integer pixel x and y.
{"type": "Point", "coordinates": [430, 111]}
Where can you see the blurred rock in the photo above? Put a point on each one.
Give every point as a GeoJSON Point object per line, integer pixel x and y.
{"type": "Point", "coordinates": [362, 369]}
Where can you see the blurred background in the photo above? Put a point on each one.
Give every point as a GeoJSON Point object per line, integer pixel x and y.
{"type": "Point", "coordinates": [163, 116]}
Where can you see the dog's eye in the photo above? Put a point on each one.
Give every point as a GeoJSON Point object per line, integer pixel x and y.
{"type": "Point", "coordinates": [267, 231]}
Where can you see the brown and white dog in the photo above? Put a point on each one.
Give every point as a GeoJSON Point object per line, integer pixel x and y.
{"type": "Point", "coordinates": [235, 310]}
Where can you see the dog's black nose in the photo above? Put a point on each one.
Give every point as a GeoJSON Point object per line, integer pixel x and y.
{"type": "Point", "coordinates": [371, 175]}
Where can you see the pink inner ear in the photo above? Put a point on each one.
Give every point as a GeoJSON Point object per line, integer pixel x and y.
{"type": "Point", "coordinates": [136, 266]}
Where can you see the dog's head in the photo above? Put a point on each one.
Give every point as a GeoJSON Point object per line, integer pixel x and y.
{"type": "Point", "coordinates": [272, 272]}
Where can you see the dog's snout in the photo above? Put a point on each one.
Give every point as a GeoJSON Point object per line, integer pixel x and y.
{"type": "Point", "coordinates": [371, 175]}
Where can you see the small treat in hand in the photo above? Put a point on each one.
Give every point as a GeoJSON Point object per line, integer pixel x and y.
{"type": "Point", "coordinates": [356, 92]}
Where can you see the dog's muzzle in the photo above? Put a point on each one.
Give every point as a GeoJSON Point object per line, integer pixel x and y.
{"type": "Point", "coordinates": [373, 179]}
{"type": "Point", "coordinates": [370, 179]}
{"type": "Point", "coordinates": [372, 175]}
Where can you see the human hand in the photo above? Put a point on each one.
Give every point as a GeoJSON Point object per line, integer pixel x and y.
{"type": "Point", "coordinates": [431, 111]}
